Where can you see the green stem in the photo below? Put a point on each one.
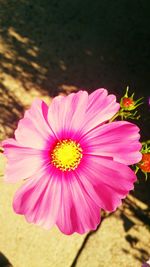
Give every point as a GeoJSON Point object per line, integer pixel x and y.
{"type": "Point", "coordinates": [115, 116]}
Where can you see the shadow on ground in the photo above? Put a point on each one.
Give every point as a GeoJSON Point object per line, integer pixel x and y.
{"type": "Point", "coordinates": [82, 43]}
{"type": "Point", "coordinates": [11, 110]}
{"type": "Point", "coordinates": [4, 262]}
{"type": "Point", "coordinates": [62, 46]}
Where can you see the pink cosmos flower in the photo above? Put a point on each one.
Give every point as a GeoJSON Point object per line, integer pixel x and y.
{"type": "Point", "coordinates": [72, 160]}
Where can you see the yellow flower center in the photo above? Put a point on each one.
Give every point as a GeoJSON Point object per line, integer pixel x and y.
{"type": "Point", "coordinates": [66, 155]}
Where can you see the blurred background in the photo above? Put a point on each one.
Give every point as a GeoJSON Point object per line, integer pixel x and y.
{"type": "Point", "coordinates": [57, 47]}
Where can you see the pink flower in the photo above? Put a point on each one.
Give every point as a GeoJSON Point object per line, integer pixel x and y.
{"type": "Point", "coordinates": [72, 160]}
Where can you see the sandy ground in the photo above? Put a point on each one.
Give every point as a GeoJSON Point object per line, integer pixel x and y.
{"type": "Point", "coordinates": [50, 48]}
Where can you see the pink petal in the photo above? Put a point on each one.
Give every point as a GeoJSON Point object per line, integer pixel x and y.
{"type": "Point", "coordinates": [106, 181]}
{"type": "Point", "coordinates": [23, 162]}
{"type": "Point", "coordinates": [101, 107]}
{"type": "Point", "coordinates": [39, 198]}
{"type": "Point", "coordinates": [33, 130]}
{"type": "Point", "coordinates": [78, 212]}
{"type": "Point", "coordinates": [119, 140]}
{"type": "Point", "coordinates": [66, 114]}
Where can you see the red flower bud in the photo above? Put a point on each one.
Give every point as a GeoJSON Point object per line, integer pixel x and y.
{"type": "Point", "coordinates": [127, 102]}
{"type": "Point", "coordinates": [144, 164]}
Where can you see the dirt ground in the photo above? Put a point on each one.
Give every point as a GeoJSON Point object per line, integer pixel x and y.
{"type": "Point", "coordinates": [56, 47]}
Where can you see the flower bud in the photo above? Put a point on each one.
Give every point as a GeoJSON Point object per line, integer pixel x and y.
{"type": "Point", "coordinates": [144, 164]}
{"type": "Point", "coordinates": [128, 103]}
